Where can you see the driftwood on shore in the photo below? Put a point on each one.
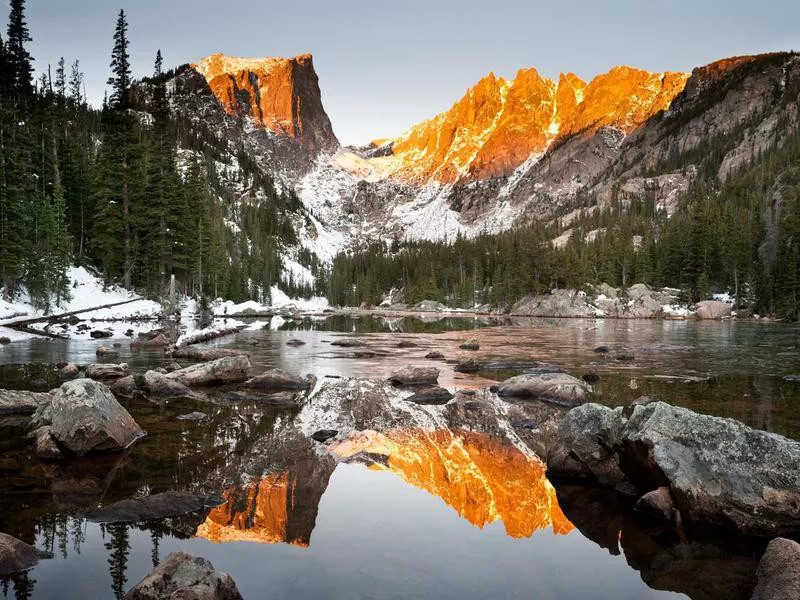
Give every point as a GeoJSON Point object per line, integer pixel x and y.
{"type": "Point", "coordinates": [207, 336]}
{"type": "Point", "coordinates": [22, 324]}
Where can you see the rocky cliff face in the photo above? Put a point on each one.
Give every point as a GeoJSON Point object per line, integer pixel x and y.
{"type": "Point", "coordinates": [508, 152]}
{"type": "Point", "coordinates": [500, 124]}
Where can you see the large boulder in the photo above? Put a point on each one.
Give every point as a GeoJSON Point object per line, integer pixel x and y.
{"type": "Point", "coordinates": [185, 577]}
{"type": "Point", "coordinates": [779, 572]}
{"type": "Point", "coordinates": [13, 402]}
{"type": "Point", "coordinates": [558, 303]}
{"type": "Point", "coordinates": [415, 376]}
{"type": "Point", "coordinates": [712, 309]}
{"type": "Point", "coordinates": [231, 369]}
{"type": "Point", "coordinates": [277, 379]}
{"type": "Point", "coordinates": [84, 416]}
{"type": "Point", "coordinates": [586, 445]}
{"type": "Point", "coordinates": [718, 470]}
{"type": "Point", "coordinates": [15, 555]}
{"type": "Point", "coordinates": [554, 387]}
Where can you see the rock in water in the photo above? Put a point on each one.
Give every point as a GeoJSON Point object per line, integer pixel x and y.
{"type": "Point", "coordinates": [159, 384]}
{"type": "Point", "coordinates": [125, 387]}
{"type": "Point", "coordinates": [712, 309]}
{"type": "Point", "coordinates": [68, 371]}
{"type": "Point", "coordinates": [192, 416]}
{"type": "Point", "coordinates": [586, 446]}
{"type": "Point", "coordinates": [555, 387]}
{"type": "Point", "coordinates": [231, 369]}
{"type": "Point", "coordinates": [415, 376]}
{"type": "Point", "coordinates": [149, 508]}
{"type": "Point", "coordinates": [718, 470]}
{"type": "Point", "coordinates": [779, 572]}
{"type": "Point", "coordinates": [46, 447]}
{"type": "Point", "coordinates": [15, 555]}
{"type": "Point", "coordinates": [85, 416]}
{"type": "Point", "coordinates": [13, 402]}
{"type": "Point", "coordinates": [657, 503]}
{"type": "Point", "coordinates": [434, 355]}
{"type": "Point", "coordinates": [471, 344]}
{"type": "Point", "coordinates": [323, 435]}
{"type": "Point", "coordinates": [106, 353]}
{"type": "Point", "coordinates": [104, 372]}
{"type": "Point", "coordinates": [183, 576]}
{"type": "Point", "coordinates": [431, 395]}
{"type": "Point", "coordinates": [277, 379]}
{"type": "Point", "coordinates": [206, 354]}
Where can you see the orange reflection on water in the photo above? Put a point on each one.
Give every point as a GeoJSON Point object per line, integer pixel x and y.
{"type": "Point", "coordinates": [257, 513]}
{"type": "Point", "coordinates": [484, 479]}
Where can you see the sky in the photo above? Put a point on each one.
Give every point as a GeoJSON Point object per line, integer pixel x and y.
{"type": "Point", "coordinates": [384, 66]}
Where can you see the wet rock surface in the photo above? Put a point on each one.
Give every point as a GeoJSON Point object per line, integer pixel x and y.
{"type": "Point", "coordinates": [16, 556]}
{"type": "Point", "coordinates": [183, 576]}
{"type": "Point", "coordinates": [232, 369]}
{"type": "Point", "coordinates": [555, 387]}
{"type": "Point", "coordinates": [415, 376]}
{"type": "Point", "coordinates": [84, 416]}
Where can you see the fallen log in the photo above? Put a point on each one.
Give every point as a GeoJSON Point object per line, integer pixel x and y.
{"type": "Point", "coordinates": [208, 336]}
{"type": "Point", "coordinates": [60, 317]}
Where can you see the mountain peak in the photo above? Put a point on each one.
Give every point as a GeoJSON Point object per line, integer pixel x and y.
{"type": "Point", "coordinates": [279, 95]}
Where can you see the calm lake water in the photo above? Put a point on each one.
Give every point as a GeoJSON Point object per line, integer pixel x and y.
{"type": "Point", "coordinates": [446, 515]}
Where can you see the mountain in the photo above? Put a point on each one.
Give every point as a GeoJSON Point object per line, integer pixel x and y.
{"type": "Point", "coordinates": [508, 154]}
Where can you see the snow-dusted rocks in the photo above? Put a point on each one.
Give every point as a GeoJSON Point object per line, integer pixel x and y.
{"type": "Point", "coordinates": [232, 369]}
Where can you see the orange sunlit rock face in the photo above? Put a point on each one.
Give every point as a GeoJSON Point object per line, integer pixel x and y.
{"type": "Point", "coordinates": [281, 95]}
{"type": "Point", "coordinates": [499, 124]}
{"type": "Point", "coordinates": [258, 513]}
{"type": "Point", "coordinates": [484, 479]}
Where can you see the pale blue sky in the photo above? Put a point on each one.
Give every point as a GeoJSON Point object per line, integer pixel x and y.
{"type": "Point", "coordinates": [384, 66]}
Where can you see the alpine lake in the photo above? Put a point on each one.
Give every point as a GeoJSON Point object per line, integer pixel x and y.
{"type": "Point", "coordinates": [432, 507]}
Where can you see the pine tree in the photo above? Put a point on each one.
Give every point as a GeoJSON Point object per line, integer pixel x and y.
{"type": "Point", "coordinates": [76, 83]}
{"type": "Point", "coordinates": [120, 80]}
{"type": "Point", "coordinates": [19, 58]}
{"type": "Point", "coordinates": [61, 79]}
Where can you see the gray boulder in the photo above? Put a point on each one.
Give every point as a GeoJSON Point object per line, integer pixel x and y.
{"type": "Point", "coordinates": [161, 385]}
{"type": "Point", "coordinates": [185, 577]}
{"type": "Point", "coordinates": [231, 369]}
{"type": "Point", "coordinates": [415, 376]}
{"type": "Point", "coordinates": [586, 445]}
{"type": "Point", "coordinates": [107, 371]}
{"type": "Point", "coordinates": [718, 470]}
{"type": "Point", "coordinates": [15, 555]}
{"type": "Point", "coordinates": [14, 402]}
{"type": "Point", "coordinates": [125, 387]}
{"type": "Point", "coordinates": [68, 371]}
{"type": "Point", "coordinates": [277, 379]}
{"type": "Point", "coordinates": [779, 572]}
{"type": "Point", "coordinates": [84, 416]}
{"type": "Point", "coordinates": [712, 309]}
{"type": "Point", "coordinates": [555, 387]}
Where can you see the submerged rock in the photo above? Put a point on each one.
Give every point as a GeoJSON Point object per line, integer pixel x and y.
{"type": "Point", "coordinates": [183, 576]}
{"type": "Point", "coordinates": [555, 387]}
{"type": "Point", "coordinates": [84, 416]}
{"type": "Point", "coordinates": [278, 379]}
{"type": "Point", "coordinates": [471, 344]}
{"type": "Point", "coordinates": [779, 572]}
{"type": "Point", "coordinates": [104, 372]}
{"type": "Point", "coordinates": [14, 402]}
{"type": "Point", "coordinates": [232, 369]}
{"type": "Point", "coordinates": [348, 343]}
{"type": "Point", "coordinates": [106, 354]}
{"type": "Point", "coordinates": [296, 343]}
{"type": "Point", "coordinates": [415, 376]}
{"type": "Point", "coordinates": [150, 508]}
{"type": "Point", "coordinates": [472, 365]}
{"type": "Point", "coordinates": [98, 334]}
{"type": "Point", "coordinates": [16, 556]}
{"type": "Point", "coordinates": [434, 356]}
{"type": "Point", "coordinates": [657, 503]}
{"type": "Point", "coordinates": [286, 398]}
{"type": "Point", "coordinates": [193, 416]}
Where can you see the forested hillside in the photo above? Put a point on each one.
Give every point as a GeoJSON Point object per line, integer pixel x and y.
{"type": "Point", "coordinates": [128, 189]}
{"type": "Point", "coordinates": [740, 237]}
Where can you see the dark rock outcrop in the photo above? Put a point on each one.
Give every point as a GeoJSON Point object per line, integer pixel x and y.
{"type": "Point", "coordinates": [149, 508]}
